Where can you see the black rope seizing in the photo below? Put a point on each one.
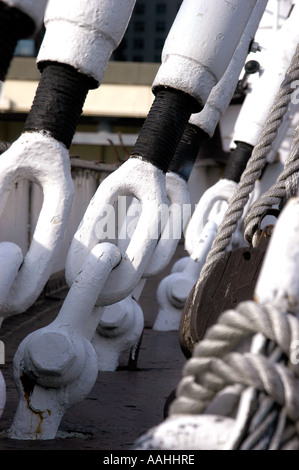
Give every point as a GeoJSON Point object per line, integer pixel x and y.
{"type": "Point", "coordinates": [187, 151]}
{"type": "Point", "coordinates": [237, 161]}
{"type": "Point", "coordinates": [164, 127]}
{"type": "Point", "coordinates": [58, 101]}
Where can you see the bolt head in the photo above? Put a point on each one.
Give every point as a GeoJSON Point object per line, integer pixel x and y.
{"type": "Point", "coordinates": [178, 292]}
{"type": "Point", "coordinates": [49, 355]}
{"type": "Point", "coordinates": [255, 47]}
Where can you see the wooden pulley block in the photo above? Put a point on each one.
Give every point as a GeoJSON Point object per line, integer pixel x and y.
{"type": "Point", "coordinates": [231, 281]}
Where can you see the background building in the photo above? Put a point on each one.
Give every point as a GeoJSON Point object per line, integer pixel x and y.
{"type": "Point", "coordinates": [150, 22]}
{"type": "Point", "coordinates": [144, 39]}
{"type": "Point", "coordinates": [114, 113]}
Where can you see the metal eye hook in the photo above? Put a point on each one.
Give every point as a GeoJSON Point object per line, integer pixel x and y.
{"type": "Point", "coordinates": [52, 173]}
{"type": "Point", "coordinates": [134, 178]}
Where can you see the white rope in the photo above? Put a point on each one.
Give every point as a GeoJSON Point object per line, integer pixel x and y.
{"type": "Point", "coordinates": [216, 364]}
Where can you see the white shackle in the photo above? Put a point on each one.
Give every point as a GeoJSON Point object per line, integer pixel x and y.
{"type": "Point", "coordinates": [134, 178]}
{"type": "Point", "coordinates": [99, 263]}
{"type": "Point", "coordinates": [11, 259]}
{"type": "Point", "coordinates": [121, 324]}
{"type": "Point", "coordinates": [2, 394]}
{"type": "Point", "coordinates": [176, 220]}
{"type": "Point", "coordinates": [58, 359]}
{"type": "Point", "coordinates": [118, 331]}
{"type": "Point", "coordinates": [202, 41]}
{"type": "Point", "coordinates": [42, 159]}
{"type": "Point", "coordinates": [174, 289]}
{"type": "Point", "coordinates": [215, 200]}
{"type": "Point", "coordinates": [88, 30]}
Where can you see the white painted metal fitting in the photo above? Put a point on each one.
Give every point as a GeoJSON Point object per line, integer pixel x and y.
{"type": "Point", "coordinates": [275, 61]}
{"type": "Point", "coordinates": [202, 40]}
{"type": "Point", "coordinates": [222, 93]}
{"type": "Point", "coordinates": [84, 33]}
{"type": "Point", "coordinates": [255, 47]}
{"type": "Point", "coordinates": [278, 280]}
{"type": "Point", "coordinates": [122, 323]}
{"type": "Point", "coordinates": [174, 289]}
{"type": "Point", "coordinates": [2, 394]}
{"type": "Point", "coordinates": [40, 158]}
{"type": "Point", "coordinates": [179, 265]}
{"type": "Point", "coordinates": [49, 356]}
{"type": "Point", "coordinates": [212, 206]}
{"type": "Point", "coordinates": [136, 178]}
{"type": "Point", "coordinates": [40, 409]}
{"type": "Point", "coordinates": [11, 259]}
{"type": "Point", "coordinates": [201, 231]}
{"type": "Point", "coordinates": [32, 8]}
{"type": "Point", "coordinates": [118, 332]}
{"type": "Point", "coordinates": [2, 381]}
{"type": "Point", "coordinates": [58, 361]}
{"type": "Point", "coordinates": [176, 217]}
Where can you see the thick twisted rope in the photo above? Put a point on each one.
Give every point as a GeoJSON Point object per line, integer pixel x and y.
{"type": "Point", "coordinates": [214, 364]}
{"type": "Point", "coordinates": [254, 167]}
{"type": "Point", "coordinates": [285, 186]}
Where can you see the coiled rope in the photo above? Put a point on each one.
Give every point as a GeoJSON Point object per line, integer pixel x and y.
{"type": "Point", "coordinates": [215, 365]}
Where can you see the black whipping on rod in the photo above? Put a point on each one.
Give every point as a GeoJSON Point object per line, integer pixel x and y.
{"type": "Point", "coordinates": [14, 25]}
{"type": "Point", "coordinates": [58, 101]}
{"type": "Point", "coordinates": [237, 161]}
{"type": "Point", "coordinates": [187, 151]}
{"type": "Point", "coordinates": [164, 127]}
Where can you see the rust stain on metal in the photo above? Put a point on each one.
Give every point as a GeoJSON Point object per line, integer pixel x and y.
{"type": "Point", "coordinates": [28, 386]}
